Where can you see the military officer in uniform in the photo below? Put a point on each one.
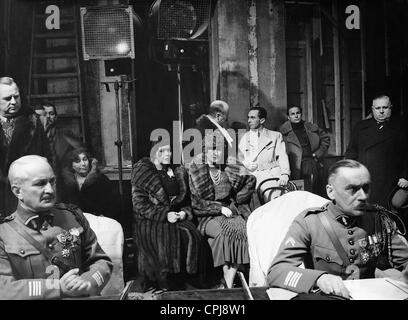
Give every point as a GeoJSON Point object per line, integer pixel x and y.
{"type": "Point", "coordinates": [47, 250]}
{"type": "Point", "coordinates": [345, 239]}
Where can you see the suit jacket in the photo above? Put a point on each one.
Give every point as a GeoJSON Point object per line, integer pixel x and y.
{"type": "Point", "coordinates": [319, 143]}
{"type": "Point", "coordinates": [308, 242]}
{"type": "Point", "coordinates": [383, 151]}
{"type": "Point", "coordinates": [28, 138]}
{"type": "Point", "coordinates": [270, 156]}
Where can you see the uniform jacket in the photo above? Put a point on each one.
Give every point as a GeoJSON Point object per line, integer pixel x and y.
{"type": "Point", "coordinates": [158, 239]}
{"type": "Point", "coordinates": [319, 143]}
{"type": "Point", "coordinates": [24, 270]}
{"type": "Point", "coordinates": [384, 152]}
{"type": "Point", "coordinates": [271, 154]}
{"type": "Point", "coordinates": [28, 138]}
{"type": "Point", "coordinates": [307, 242]}
{"type": "Point", "coordinates": [202, 191]}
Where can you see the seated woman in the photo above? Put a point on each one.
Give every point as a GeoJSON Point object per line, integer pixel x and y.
{"type": "Point", "coordinates": [84, 186]}
{"type": "Point", "coordinates": [167, 242]}
{"type": "Point", "coordinates": [220, 196]}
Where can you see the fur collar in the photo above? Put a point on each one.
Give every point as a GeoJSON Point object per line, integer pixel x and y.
{"type": "Point", "coordinates": [146, 176]}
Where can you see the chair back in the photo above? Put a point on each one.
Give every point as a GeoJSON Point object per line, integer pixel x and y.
{"type": "Point", "coordinates": [110, 237]}
{"type": "Point", "coordinates": [267, 226]}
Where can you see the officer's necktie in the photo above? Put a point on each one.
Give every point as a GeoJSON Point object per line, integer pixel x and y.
{"type": "Point", "coordinates": [41, 222]}
{"type": "Point", "coordinates": [346, 221]}
{"type": "Point", "coordinates": [8, 129]}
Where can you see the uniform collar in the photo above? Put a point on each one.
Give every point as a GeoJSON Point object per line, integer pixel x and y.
{"type": "Point", "coordinates": [340, 216]}
{"type": "Point", "coordinates": [26, 215]}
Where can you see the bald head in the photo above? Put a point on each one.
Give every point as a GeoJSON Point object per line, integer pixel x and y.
{"type": "Point", "coordinates": [32, 181]}
{"type": "Point", "coordinates": [219, 111]}
{"type": "Point", "coordinates": [21, 168]}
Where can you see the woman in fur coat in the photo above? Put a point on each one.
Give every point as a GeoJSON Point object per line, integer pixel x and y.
{"type": "Point", "coordinates": [220, 196]}
{"type": "Point", "coordinates": [86, 187]}
{"type": "Point", "coordinates": [167, 240]}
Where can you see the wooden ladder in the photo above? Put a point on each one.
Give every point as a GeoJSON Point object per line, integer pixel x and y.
{"type": "Point", "coordinates": [54, 73]}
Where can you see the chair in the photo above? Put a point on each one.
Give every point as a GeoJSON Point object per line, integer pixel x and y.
{"type": "Point", "coordinates": [271, 185]}
{"type": "Point", "coordinates": [267, 227]}
{"type": "Point", "coordinates": [110, 237]}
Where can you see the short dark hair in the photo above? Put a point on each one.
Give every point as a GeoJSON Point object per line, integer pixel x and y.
{"type": "Point", "coordinates": [49, 104]}
{"type": "Point", "coordinates": [346, 163]}
{"type": "Point", "coordinates": [73, 156]}
{"type": "Point", "coordinates": [261, 112]}
{"type": "Point", "coordinates": [300, 108]}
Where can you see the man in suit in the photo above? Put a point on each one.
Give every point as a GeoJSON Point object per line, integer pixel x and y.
{"type": "Point", "coordinates": [21, 133]}
{"type": "Point", "coordinates": [263, 151]}
{"type": "Point", "coordinates": [61, 142]}
{"type": "Point", "coordinates": [306, 145]}
{"type": "Point", "coordinates": [217, 118]}
{"type": "Point", "coordinates": [380, 143]}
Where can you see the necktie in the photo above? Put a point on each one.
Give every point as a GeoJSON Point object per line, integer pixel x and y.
{"type": "Point", "coordinates": [41, 222]}
{"type": "Point", "coordinates": [8, 128]}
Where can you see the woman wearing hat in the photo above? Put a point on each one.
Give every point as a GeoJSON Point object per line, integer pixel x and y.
{"type": "Point", "coordinates": [220, 194]}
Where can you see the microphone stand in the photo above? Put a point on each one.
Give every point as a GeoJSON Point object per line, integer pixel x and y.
{"type": "Point", "coordinates": [117, 86]}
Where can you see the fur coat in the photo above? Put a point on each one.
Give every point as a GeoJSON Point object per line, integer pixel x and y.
{"type": "Point", "coordinates": [158, 241]}
{"type": "Point", "coordinates": [202, 191]}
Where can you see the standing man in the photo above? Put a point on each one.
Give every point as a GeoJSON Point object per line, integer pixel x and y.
{"type": "Point", "coordinates": [380, 143]}
{"type": "Point", "coordinates": [263, 151]}
{"type": "Point", "coordinates": [61, 142]}
{"type": "Point", "coordinates": [306, 145]}
{"type": "Point", "coordinates": [21, 133]}
{"type": "Point", "coordinates": [217, 118]}
{"type": "Point", "coordinates": [47, 251]}
{"type": "Point", "coordinates": [345, 239]}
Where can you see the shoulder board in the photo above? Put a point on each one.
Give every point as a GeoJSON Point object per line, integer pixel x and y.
{"type": "Point", "coordinates": [66, 206]}
{"type": "Point", "coordinates": [6, 219]}
{"type": "Point", "coordinates": [314, 210]}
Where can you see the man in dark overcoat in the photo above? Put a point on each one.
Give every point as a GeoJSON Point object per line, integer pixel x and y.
{"type": "Point", "coordinates": [380, 143]}
{"type": "Point", "coordinates": [21, 133]}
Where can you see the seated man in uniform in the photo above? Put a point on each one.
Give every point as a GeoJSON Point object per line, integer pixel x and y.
{"type": "Point", "coordinates": [47, 250]}
{"type": "Point", "coordinates": [345, 239]}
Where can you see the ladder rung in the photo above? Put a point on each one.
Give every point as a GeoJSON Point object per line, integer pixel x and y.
{"type": "Point", "coordinates": [55, 34]}
{"type": "Point", "coordinates": [55, 55]}
{"type": "Point", "coordinates": [55, 75]}
{"type": "Point", "coordinates": [55, 95]}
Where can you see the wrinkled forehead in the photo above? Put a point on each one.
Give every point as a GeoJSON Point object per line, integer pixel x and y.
{"type": "Point", "coordinates": [6, 90]}
{"type": "Point", "coordinates": [294, 109]}
{"type": "Point", "coordinates": [35, 169]}
{"type": "Point", "coordinates": [49, 108]}
{"type": "Point", "coordinates": [352, 176]}
{"type": "Point", "coordinates": [383, 101]}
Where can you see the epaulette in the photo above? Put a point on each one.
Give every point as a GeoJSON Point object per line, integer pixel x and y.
{"type": "Point", "coordinates": [314, 210]}
{"type": "Point", "coordinates": [74, 209]}
{"type": "Point", "coordinates": [6, 219]}
{"type": "Point", "coordinates": [66, 206]}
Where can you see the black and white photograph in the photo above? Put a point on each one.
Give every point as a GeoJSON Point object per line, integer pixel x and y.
{"type": "Point", "coordinates": [205, 150]}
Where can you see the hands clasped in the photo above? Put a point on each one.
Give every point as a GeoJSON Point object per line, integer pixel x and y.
{"type": "Point", "coordinates": [72, 285]}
